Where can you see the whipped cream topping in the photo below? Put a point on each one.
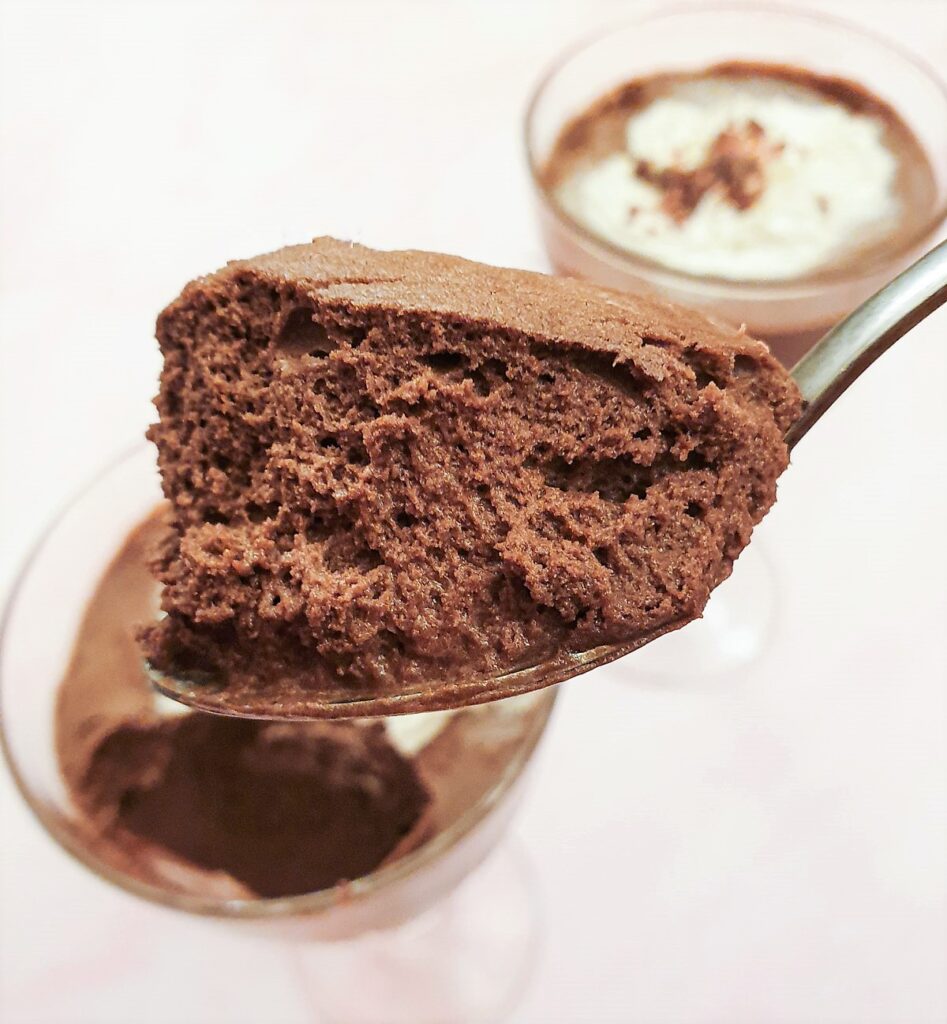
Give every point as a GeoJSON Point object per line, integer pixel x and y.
{"type": "Point", "coordinates": [823, 181]}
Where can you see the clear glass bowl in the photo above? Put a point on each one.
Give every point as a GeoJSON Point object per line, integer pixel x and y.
{"type": "Point", "coordinates": [38, 631]}
{"type": "Point", "coordinates": [789, 314]}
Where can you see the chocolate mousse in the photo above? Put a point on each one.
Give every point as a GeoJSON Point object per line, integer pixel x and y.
{"type": "Point", "coordinates": [276, 809]}
{"type": "Point", "coordinates": [283, 808]}
{"type": "Point", "coordinates": [215, 807]}
{"type": "Point", "coordinates": [403, 475]}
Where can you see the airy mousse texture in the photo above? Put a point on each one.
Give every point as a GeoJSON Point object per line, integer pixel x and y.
{"type": "Point", "coordinates": [397, 474]}
{"type": "Point", "coordinates": [208, 806]}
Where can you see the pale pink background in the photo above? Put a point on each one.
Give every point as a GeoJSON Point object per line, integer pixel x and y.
{"type": "Point", "coordinates": [759, 849]}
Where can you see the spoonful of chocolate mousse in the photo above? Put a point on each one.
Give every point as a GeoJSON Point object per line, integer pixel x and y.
{"type": "Point", "coordinates": [402, 481]}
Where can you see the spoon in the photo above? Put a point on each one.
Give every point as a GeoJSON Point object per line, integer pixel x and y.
{"type": "Point", "coordinates": [834, 363]}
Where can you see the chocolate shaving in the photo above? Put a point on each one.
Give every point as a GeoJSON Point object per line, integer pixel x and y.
{"type": "Point", "coordinates": [735, 166]}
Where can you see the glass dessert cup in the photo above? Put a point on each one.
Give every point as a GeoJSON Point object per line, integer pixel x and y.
{"type": "Point", "coordinates": [421, 915]}
{"type": "Point", "coordinates": [790, 314]}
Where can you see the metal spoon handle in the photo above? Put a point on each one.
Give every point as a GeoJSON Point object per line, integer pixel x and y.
{"type": "Point", "coordinates": [855, 343]}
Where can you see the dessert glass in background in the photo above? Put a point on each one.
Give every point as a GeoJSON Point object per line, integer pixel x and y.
{"type": "Point", "coordinates": [414, 940]}
{"type": "Point", "coordinates": [789, 313]}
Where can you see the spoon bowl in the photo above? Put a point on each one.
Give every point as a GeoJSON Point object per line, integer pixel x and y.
{"type": "Point", "coordinates": [215, 698]}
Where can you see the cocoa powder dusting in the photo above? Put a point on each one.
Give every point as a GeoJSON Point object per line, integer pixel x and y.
{"type": "Point", "coordinates": [735, 167]}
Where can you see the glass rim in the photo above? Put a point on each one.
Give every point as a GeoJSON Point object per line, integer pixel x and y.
{"type": "Point", "coordinates": [253, 908]}
{"type": "Point", "coordinates": [706, 285]}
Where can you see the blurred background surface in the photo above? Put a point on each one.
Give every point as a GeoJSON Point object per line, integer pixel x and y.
{"type": "Point", "coordinates": [770, 846]}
